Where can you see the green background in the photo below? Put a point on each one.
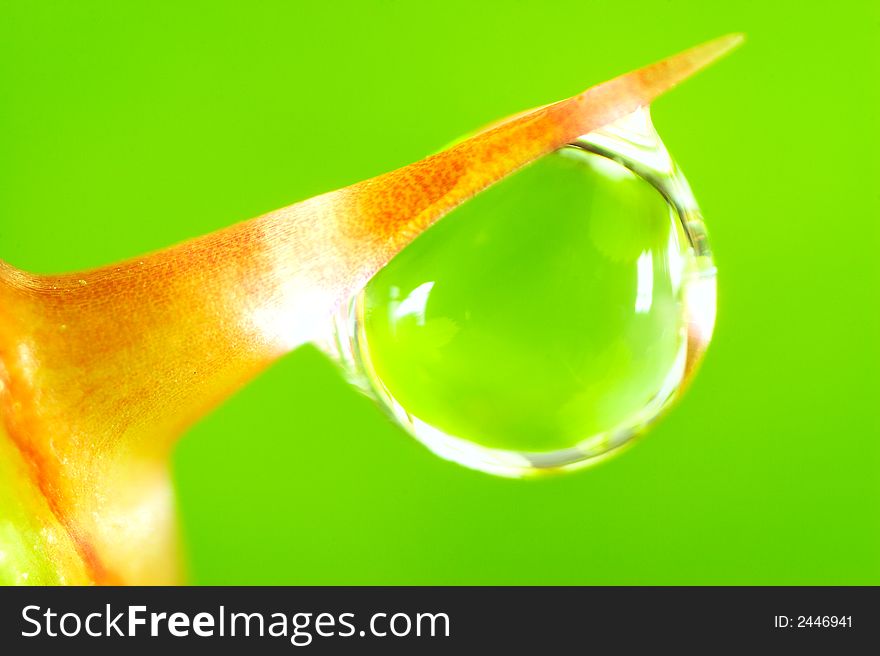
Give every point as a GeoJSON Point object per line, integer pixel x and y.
{"type": "Point", "coordinates": [125, 128]}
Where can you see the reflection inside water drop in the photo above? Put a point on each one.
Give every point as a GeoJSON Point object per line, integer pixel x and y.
{"type": "Point", "coordinates": [549, 319]}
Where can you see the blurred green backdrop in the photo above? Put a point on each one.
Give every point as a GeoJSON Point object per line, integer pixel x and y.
{"type": "Point", "coordinates": [129, 126]}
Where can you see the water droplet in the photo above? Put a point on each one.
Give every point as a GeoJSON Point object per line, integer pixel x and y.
{"type": "Point", "coordinates": [549, 320]}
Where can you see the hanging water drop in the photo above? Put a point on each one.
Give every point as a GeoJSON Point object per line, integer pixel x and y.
{"type": "Point", "coordinates": [550, 319]}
